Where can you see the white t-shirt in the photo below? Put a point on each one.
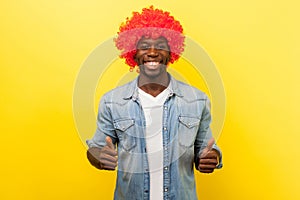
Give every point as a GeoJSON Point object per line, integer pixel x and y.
{"type": "Point", "coordinates": [153, 110]}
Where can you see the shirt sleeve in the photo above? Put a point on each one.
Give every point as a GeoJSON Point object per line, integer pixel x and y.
{"type": "Point", "coordinates": [204, 135]}
{"type": "Point", "coordinates": [105, 126]}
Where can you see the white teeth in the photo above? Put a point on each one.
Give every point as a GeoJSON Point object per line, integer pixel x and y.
{"type": "Point", "coordinates": [152, 63]}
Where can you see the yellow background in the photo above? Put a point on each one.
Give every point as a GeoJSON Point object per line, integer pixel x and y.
{"type": "Point", "coordinates": [255, 45]}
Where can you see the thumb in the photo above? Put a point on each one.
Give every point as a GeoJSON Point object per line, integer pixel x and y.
{"type": "Point", "coordinates": [208, 148]}
{"type": "Point", "coordinates": [109, 143]}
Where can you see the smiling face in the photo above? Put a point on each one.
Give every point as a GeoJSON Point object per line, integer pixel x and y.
{"type": "Point", "coordinates": [152, 57]}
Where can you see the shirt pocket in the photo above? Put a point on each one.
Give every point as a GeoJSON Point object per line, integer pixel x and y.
{"type": "Point", "coordinates": [125, 131]}
{"type": "Point", "coordinates": [188, 128]}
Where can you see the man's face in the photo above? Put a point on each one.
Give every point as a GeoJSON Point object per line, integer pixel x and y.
{"type": "Point", "coordinates": [152, 56]}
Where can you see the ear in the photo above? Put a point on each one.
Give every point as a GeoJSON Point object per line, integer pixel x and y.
{"type": "Point", "coordinates": [134, 57]}
{"type": "Point", "coordinates": [169, 58]}
{"type": "Point", "coordinates": [135, 60]}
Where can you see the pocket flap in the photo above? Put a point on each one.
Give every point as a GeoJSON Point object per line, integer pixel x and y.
{"type": "Point", "coordinates": [189, 121]}
{"type": "Point", "coordinates": [123, 124]}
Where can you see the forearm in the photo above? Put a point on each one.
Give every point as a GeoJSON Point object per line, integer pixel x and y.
{"type": "Point", "coordinates": [204, 136]}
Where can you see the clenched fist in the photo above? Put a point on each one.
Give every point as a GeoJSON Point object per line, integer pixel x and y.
{"type": "Point", "coordinates": [104, 158]}
{"type": "Point", "coordinates": [209, 158]}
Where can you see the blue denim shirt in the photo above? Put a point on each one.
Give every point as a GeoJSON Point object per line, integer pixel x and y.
{"type": "Point", "coordinates": [185, 129]}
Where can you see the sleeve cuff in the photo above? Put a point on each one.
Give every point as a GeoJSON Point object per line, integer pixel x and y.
{"type": "Point", "coordinates": [220, 164]}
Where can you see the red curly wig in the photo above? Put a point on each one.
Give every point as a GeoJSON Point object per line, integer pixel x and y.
{"type": "Point", "coordinates": [152, 23]}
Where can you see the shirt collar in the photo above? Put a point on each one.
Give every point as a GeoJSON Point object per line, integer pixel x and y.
{"type": "Point", "coordinates": [132, 89]}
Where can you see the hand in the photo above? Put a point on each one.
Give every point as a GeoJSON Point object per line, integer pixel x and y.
{"type": "Point", "coordinates": [104, 158]}
{"type": "Point", "coordinates": [208, 158]}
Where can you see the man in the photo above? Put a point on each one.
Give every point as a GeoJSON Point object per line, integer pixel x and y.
{"type": "Point", "coordinates": [154, 128]}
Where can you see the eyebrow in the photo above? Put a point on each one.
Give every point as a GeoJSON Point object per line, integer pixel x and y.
{"type": "Point", "coordinates": [159, 41]}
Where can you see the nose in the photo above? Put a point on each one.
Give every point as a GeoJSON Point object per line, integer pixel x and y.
{"type": "Point", "coordinates": [152, 52]}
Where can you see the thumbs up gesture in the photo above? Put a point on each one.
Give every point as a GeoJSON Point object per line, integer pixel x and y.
{"type": "Point", "coordinates": [104, 158]}
{"type": "Point", "coordinates": [208, 158]}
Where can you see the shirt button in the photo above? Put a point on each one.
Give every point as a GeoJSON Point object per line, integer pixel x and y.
{"type": "Point", "coordinates": [166, 168]}
{"type": "Point", "coordinates": [166, 189]}
{"type": "Point", "coordinates": [165, 128]}
{"type": "Point", "coordinates": [165, 107]}
{"type": "Point", "coordinates": [166, 148]}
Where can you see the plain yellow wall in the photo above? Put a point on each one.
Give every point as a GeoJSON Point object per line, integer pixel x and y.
{"type": "Point", "coordinates": [254, 44]}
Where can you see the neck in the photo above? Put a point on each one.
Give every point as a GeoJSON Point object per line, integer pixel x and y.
{"type": "Point", "coordinates": [153, 86]}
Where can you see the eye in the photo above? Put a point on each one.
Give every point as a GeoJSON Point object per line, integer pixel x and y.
{"type": "Point", "coordinates": [143, 46]}
{"type": "Point", "coordinates": [162, 47]}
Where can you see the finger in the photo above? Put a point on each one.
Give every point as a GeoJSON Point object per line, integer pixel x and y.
{"type": "Point", "coordinates": [108, 165]}
{"type": "Point", "coordinates": [109, 151]}
{"type": "Point", "coordinates": [210, 155]}
{"type": "Point", "coordinates": [108, 162]}
{"type": "Point", "coordinates": [109, 142]}
{"type": "Point", "coordinates": [210, 144]}
{"type": "Point", "coordinates": [207, 166]}
{"type": "Point", "coordinates": [208, 161]}
{"type": "Point", "coordinates": [208, 148]}
{"type": "Point", "coordinates": [107, 157]}
{"type": "Point", "coordinates": [206, 170]}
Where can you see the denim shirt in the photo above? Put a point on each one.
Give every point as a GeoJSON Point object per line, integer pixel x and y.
{"type": "Point", "coordinates": [185, 129]}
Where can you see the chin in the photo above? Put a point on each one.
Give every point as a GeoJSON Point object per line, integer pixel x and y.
{"type": "Point", "coordinates": [153, 73]}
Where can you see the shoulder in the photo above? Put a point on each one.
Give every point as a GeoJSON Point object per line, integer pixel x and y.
{"type": "Point", "coordinates": [120, 93]}
{"type": "Point", "coordinates": [189, 92]}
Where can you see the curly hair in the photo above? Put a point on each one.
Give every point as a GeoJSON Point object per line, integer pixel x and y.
{"type": "Point", "coordinates": [150, 23]}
